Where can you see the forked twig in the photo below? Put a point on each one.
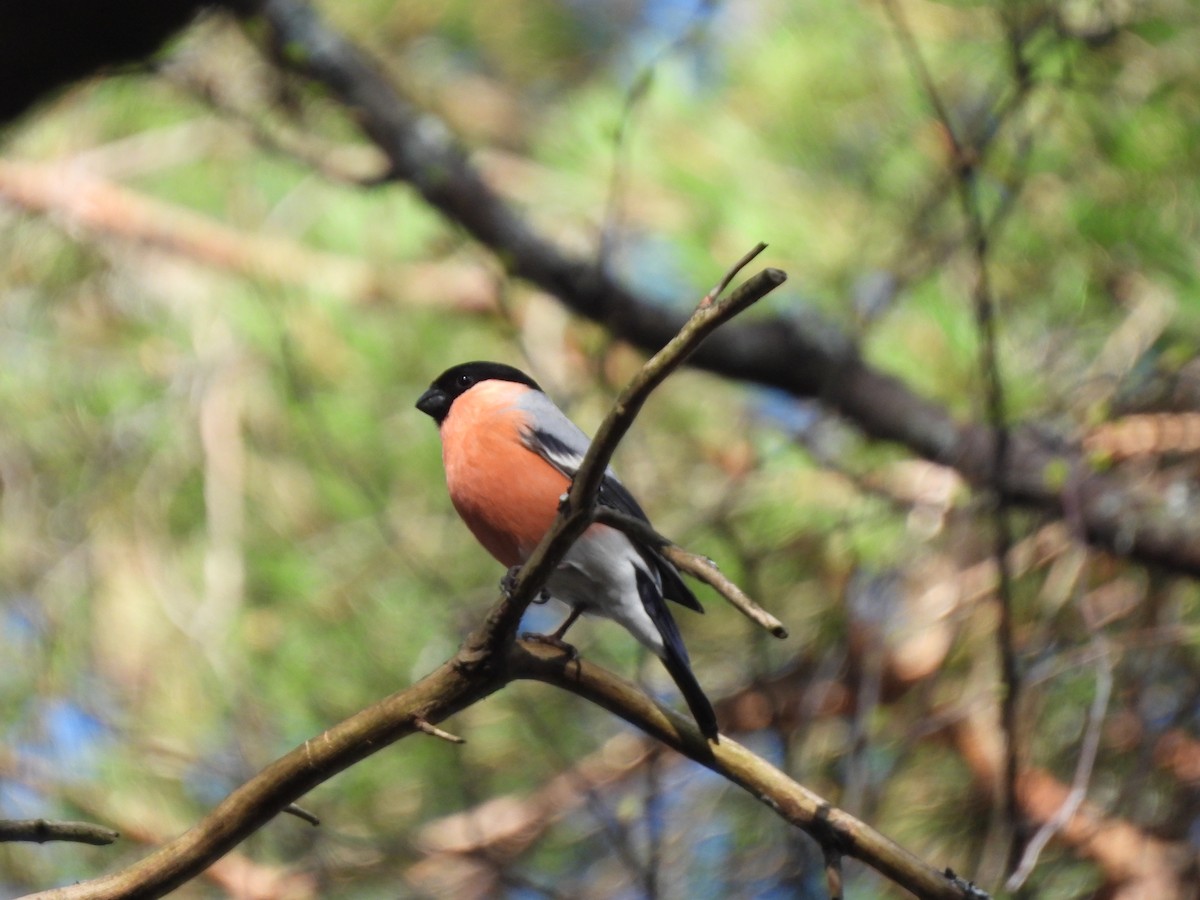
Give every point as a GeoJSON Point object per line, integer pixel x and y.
{"type": "Point", "coordinates": [699, 567]}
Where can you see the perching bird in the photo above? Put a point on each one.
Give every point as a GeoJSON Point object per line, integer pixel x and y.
{"type": "Point", "coordinates": [510, 455]}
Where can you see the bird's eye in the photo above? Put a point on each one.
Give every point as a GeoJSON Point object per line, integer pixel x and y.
{"type": "Point", "coordinates": [465, 381]}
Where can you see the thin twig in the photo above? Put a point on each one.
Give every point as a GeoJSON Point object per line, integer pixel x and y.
{"type": "Point", "coordinates": [301, 813]}
{"type": "Point", "coordinates": [719, 288]}
{"type": "Point", "coordinates": [833, 872]}
{"type": "Point", "coordinates": [709, 316]}
{"type": "Point", "coordinates": [41, 831]}
{"type": "Point", "coordinates": [700, 567]}
{"type": "Point", "coordinates": [578, 509]}
{"type": "Point", "coordinates": [431, 729]}
{"type": "Point", "coordinates": [965, 164]}
{"type": "Point", "coordinates": [1083, 770]}
{"type": "Point", "coordinates": [804, 356]}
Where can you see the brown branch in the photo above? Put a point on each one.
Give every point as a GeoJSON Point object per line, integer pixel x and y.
{"type": "Point", "coordinates": [488, 660]}
{"type": "Point", "coordinates": [578, 510]}
{"type": "Point", "coordinates": [1135, 863]}
{"type": "Point", "coordinates": [828, 825]}
{"type": "Point", "coordinates": [235, 874]}
{"type": "Point", "coordinates": [440, 694]}
{"type": "Point", "coordinates": [700, 567]}
{"type": "Point", "coordinates": [502, 827]}
{"type": "Point", "coordinates": [710, 314]}
{"type": "Point", "coordinates": [42, 831]}
{"type": "Point", "coordinates": [799, 353]}
{"type": "Point", "coordinates": [965, 164]}
{"type": "Point", "coordinates": [448, 690]}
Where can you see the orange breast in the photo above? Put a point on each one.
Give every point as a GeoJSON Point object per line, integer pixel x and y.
{"type": "Point", "coordinates": [506, 493]}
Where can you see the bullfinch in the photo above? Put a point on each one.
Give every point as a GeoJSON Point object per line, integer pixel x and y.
{"type": "Point", "coordinates": [509, 455]}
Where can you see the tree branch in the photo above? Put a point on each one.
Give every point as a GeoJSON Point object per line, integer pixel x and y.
{"type": "Point", "coordinates": [438, 695]}
{"type": "Point", "coordinates": [489, 659]}
{"type": "Point", "coordinates": [693, 564]}
{"type": "Point", "coordinates": [800, 354]}
{"type": "Point", "coordinates": [965, 162]}
{"type": "Point", "coordinates": [578, 510]}
{"type": "Point", "coordinates": [828, 825]}
{"type": "Point", "coordinates": [42, 831]}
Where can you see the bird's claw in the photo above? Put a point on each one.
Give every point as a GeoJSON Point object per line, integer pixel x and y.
{"type": "Point", "coordinates": [509, 582]}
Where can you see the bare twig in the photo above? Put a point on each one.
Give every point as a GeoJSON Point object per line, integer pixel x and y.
{"type": "Point", "coordinates": [1128, 855]}
{"type": "Point", "coordinates": [700, 567]}
{"type": "Point", "coordinates": [726, 279]}
{"type": "Point", "coordinates": [965, 163]}
{"type": "Point", "coordinates": [42, 831]}
{"type": "Point", "coordinates": [578, 510]}
{"type": "Point", "coordinates": [802, 355]}
{"type": "Point", "coordinates": [429, 728]}
{"type": "Point", "coordinates": [1083, 771]}
{"type": "Point", "coordinates": [303, 814]}
{"type": "Point", "coordinates": [708, 317]}
{"type": "Point", "coordinates": [833, 872]}
{"type": "Point", "coordinates": [445, 691]}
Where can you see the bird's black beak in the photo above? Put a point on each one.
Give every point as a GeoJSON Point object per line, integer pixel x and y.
{"type": "Point", "coordinates": [434, 403]}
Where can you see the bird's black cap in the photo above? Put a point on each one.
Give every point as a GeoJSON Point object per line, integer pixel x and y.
{"type": "Point", "coordinates": [457, 380]}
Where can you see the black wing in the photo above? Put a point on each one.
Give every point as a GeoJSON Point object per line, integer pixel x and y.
{"type": "Point", "coordinates": [616, 496]}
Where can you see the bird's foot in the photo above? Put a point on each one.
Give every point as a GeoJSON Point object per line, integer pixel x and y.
{"type": "Point", "coordinates": [555, 641]}
{"type": "Point", "coordinates": [509, 582]}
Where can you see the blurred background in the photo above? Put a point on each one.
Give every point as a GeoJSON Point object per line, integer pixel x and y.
{"type": "Point", "coordinates": [224, 525]}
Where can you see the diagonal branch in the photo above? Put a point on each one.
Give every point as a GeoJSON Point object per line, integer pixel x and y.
{"type": "Point", "coordinates": [578, 510]}
{"type": "Point", "coordinates": [799, 354]}
{"type": "Point", "coordinates": [488, 660]}
{"type": "Point", "coordinates": [829, 826]}
{"type": "Point", "coordinates": [695, 565]}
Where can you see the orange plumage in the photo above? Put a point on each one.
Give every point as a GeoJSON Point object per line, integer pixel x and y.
{"type": "Point", "coordinates": [509, 454]}
{"type": "Point", "coordinates": [506, 493]}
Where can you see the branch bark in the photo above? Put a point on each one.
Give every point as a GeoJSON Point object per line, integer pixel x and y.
{"type": "Point", "coordinates": [449, 689]}
{"type": "Point", "coordinates": [831, 827]}
{"type": "Point", "coordinates": [42, 831]}
{"type": "Point", "coordinates": [489, 659]}
{"type": "Point", "coordinates": [799, 353]}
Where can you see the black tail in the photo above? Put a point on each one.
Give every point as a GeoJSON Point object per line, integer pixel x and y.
{"type": "Point", "coordinates": [701, 709]}
{"type": "Point", "coordinates": [675, 656]}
